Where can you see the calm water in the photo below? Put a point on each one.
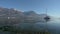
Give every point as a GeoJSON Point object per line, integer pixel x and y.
{"type": "Point", "coordinates": [53, 26]}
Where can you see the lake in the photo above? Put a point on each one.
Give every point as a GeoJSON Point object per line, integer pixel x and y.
{"type": "Point", "coordinates": [52, 26]}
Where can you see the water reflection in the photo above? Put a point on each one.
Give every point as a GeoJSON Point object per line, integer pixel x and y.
{"type": "Point", "coordinates": [53, 26]}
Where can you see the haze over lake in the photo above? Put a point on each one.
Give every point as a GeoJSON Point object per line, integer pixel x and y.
{"type": "Point", "coordinates": [53, 26]}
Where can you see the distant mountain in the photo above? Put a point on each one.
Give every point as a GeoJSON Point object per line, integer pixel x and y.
{"type": "Point", "coordinates": [29, 13]}
{"type": "Point", "coordinates": [14, 16]}
{"type": "Point", "coordinates": [11, 16]}
{"type": "Point", "coordinates": [31, 17]}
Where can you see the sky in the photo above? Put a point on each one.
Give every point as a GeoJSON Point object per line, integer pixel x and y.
{"type": "Point", "coordinates": [39, 6]}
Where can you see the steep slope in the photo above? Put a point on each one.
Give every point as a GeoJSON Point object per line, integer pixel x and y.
{"type": "Point", "coordinates": [11, 16]}
{"type": "Point", "coordinates": [33, 17]}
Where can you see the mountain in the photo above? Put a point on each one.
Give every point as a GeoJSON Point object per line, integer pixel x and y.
{"type": "Point", "coordinates": [30, 16]}
{"type": "Point", "coordinates": [29, 13]}
{"type": "Point", "coordinates": [33, 17]}
{"type": "Point", "coordinates": [13, 16]}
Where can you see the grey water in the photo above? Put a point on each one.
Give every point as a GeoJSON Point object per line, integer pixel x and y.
{"type": "Point", "coordinates": [52, 26]}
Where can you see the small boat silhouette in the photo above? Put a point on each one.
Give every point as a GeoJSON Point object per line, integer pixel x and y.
{"type": "Point", "coordinates": [47, 18]}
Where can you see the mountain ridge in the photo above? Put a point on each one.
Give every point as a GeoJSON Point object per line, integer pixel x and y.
{"type": "Point", "coordinates": [20, 17]}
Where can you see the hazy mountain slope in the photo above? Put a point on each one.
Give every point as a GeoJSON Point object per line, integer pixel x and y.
{"type": "Point", "coordinates": [11, 16]}
{"type": "Point", "coordinates": [14, 16]}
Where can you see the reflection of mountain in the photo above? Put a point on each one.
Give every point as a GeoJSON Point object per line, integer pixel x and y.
{"type": "Point", "coordinates": [19, 16]}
